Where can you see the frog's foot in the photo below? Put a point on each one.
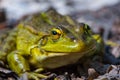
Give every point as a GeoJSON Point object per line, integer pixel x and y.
{"type": "Point", "coordinates": [36, 76]}
{"type": "Point", "coordinates": [111, 43]}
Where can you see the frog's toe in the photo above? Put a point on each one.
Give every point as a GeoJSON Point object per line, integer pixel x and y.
{"type": "Point", "coordinates": [31, 76]}
{"type": "Point", "coordinates": [36, 76]}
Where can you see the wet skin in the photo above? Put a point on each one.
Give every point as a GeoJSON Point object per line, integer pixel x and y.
{"type": "Point", "coordinates": [46, 41]}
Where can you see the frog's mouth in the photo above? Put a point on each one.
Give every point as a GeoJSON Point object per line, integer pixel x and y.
{"type": "Point", "coordinates": [88, 52]}
{"type": "Point", "coordinates": [56, 59]}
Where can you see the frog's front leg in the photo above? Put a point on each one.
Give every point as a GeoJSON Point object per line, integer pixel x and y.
{"type": "Point", "coordinates": [20, 65]}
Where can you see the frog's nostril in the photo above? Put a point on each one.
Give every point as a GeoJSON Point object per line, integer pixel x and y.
{"type": "Point", "coordinates": [72, 38]}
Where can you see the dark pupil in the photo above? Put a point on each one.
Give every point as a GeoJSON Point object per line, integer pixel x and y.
{"type": "Point", "coordinates": [54, 32]}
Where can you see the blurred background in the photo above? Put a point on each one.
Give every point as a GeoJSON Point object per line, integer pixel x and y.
{"type": "Point", "coordinates": [102, 15]}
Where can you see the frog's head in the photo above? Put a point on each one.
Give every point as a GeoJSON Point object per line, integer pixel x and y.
{"type": "Point", "coordinates": [65, 42]}
{"type": "Point", "coordinates": [68, 39]}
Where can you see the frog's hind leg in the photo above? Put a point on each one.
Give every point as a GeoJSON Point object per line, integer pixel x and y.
{"type": "Point", "coordinates": [19, 64]}
{"type": "Point", "coordinates": [7, 42]}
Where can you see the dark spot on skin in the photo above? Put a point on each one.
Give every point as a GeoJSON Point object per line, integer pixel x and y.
{"type": "Point", "coordinates": [88, 27]}
{"type": "Point", "coordinates": [16, 63]}
{"type": "Point", "coordinates": [84, 37]}
{"type": "Point", "coordinates": [67, 32]}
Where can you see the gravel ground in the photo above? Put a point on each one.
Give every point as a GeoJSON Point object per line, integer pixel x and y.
{"type": "Point", "coordinates": [106, 22]}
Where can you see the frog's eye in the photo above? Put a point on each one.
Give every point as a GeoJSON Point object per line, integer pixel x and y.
{"type": "Point", "coordinates": [56, 33]}
{"type": "Point", "coordinates": [87, 29]}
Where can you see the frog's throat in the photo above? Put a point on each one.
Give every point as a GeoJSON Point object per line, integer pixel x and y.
{"type": "Point", "coordinates": [91, 50]}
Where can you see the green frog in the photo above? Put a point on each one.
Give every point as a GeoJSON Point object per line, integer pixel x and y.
{"type": "Point", "coordinates": [47, 40]}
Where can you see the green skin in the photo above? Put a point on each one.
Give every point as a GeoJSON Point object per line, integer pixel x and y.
{"type": "Point", "coordinates": [34, 44]}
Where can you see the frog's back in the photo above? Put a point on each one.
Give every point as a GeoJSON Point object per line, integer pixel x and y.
{"type": "Point", "coordinates": [46, 20]}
